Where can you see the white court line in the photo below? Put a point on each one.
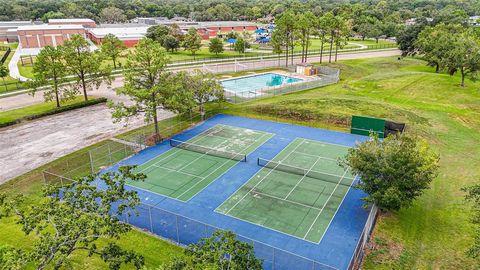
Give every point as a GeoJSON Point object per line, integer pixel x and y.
{"type": "Point", "coordinates": [285, 200]}
{"type": "Point", "coordinates": [303, 177]}
{"type": "Point", "coordinates": [172, 150]}
{"type": "Point", "coordinates": [271, 170]}
{"type": "Point", "coordinates": [173, 170]}
{"type": "Point", "coordinates": [218, 167]}
{"type": "Point", "coordinates": [226, 140]}
{"type": "Point", "coordinates": [344, 196]}
{"type": "Point", "coordinates": [253, 150]}
{"type": "Point", "coordinates": [310, 155]}
{"type": "Point", "coordinates": [323, 207]}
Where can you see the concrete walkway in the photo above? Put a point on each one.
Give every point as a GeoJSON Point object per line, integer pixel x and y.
{"type": "Point", "coordinates": [13, 68]}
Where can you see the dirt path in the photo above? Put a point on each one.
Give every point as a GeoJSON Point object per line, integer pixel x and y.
{"type": "Point", "coordinates": [27, 146]}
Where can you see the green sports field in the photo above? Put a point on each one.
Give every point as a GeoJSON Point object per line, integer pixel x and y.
{"type": "Point", "coordinates": [188, 167]}
{"type": "Point", "coordinates": [297, 193]}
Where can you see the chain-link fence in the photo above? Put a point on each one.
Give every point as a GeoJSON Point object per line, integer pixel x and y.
{"type": "Point", "coordinates": [312, 54]}
{"type": "Point", "coordinates": [356, 261]}
{"type": "Point", "coordinates": [325, 76]}
{"type": "Point", "coordinates": [185, 231]}
{"type": "Point", "coordinates": [118, 148]}
{"type": "Point", "coordinates": [175, 227]}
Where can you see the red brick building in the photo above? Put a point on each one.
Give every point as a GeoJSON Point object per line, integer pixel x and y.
{"type": "Point", "coordinates": [39, 36]}
{"type": "Point", "coordinates": [128, 35]}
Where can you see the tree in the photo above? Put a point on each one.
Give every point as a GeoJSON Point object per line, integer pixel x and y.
{"type": "Point", "coordinates": [50, 69]}
{"type": "Point", "coordinates": [464, 55]}
{"type": "Point", "coordinates": [112, 15]}
{"type": "Point", "coordinates": [394, 171]}
{"type": "Point", "coordinates": [407, 37]}
{"type": "Point", "coordinates": [205, 88]}
{"type": "Point", "coordinates": [52, 15]}
{"type": "Point", "coordinates": [239, 45]}
{"type": "Point", "coordinates": [305, 25]}
{"type": "Point", "coordinates": [215, 46]}
{"type": "Point", "coordinates": [473, 196]}
{"type": "Point", "coordinates": [324, 24]}
{"type": "Point", "coordinates": [158, 32]}
{"type": "Point", "coordinates": [3, 74]}
{"type": "Point", "coordinates": [284, 33]}
{"type": "Point", "coordinates": [170, 43]}
{"type": "Point", "coordinates": [192, 41]}
{"type": "Point", "coordinates": [176, 32]}
{"type": "Point", "coordinates": [342, 32]}
{"type": "Point", "coordinates": [149, 85]}
{"type": "Point", "coordinates": [212, 250]}
{"type": "Point", "coordinates": [73, 218]}
{"type": "Point", "coordinates": [434, 43]}
{"type": "Point", "coordinates": [85, 65]}
{"type": "Point", "coordinates": [219, 251]}
{"type": "Point", "coordinates": [112, 47]}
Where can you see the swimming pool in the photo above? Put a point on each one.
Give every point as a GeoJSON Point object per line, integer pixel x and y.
{"type": "Point", "coordinates": [257, 82]}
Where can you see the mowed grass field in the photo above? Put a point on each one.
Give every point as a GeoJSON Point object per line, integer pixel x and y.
{"type": "Point", "coordinates": [435, 232]}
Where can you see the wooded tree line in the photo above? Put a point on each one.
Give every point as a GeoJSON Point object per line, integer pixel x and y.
{"type": "Point", "coordinates": [365, 13]}
{"type": "Point", "coordinates": [448, 45]}
{"type": "Point", "coordinates": [297, 29]}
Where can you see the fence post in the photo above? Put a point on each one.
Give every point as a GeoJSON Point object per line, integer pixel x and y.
{"type": "Point", "coordinates": [273, 258]}
{"type": "Point", "coordinates": [91, 161]}
{"type": "Point", "coordinates": [44, 179]}
{"type": "Point", "coordinates": [150, 218]}
{"type": "Point", "coordinates": [109, 154]}
{"type": "Point", "coordinates": [176, 227]}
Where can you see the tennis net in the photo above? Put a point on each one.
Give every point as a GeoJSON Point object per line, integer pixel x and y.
{"type": "Point", "coordinates": [208, 150]}
{"type": "Point", "coordinates": [324, 176]}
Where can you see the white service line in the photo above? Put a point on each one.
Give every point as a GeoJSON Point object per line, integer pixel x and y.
{"type": "Point", "coordinates": [271, 170]}
{"type": "Point", "coordinates": [323, 207]}
{"type": "Point", "coordinates": [303, 177]}
{"type": "Point", "coordinates": [218, 167]}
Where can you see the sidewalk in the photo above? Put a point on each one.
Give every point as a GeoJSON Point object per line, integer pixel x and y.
{"type": "Point", "coordinates": [12, 65]}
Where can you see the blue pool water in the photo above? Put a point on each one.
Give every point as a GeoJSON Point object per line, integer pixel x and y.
{"type": "Point", "coordinates": [257, 82]}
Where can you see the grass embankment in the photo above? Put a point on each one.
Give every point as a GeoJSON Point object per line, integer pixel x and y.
{"type": "Point", "coordinates": [435, 232]}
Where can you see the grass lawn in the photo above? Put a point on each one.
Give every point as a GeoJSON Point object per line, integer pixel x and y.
{"type": "Point", "coordinates": [316, 44]}
{"type": "Point", "coordinates": [15, 114]}
{"type": "Point", "coordinates": [11, 84]}
{"type": "Point", "coordinates": [435, 231]}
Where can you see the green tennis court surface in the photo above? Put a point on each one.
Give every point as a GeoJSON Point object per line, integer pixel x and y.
{"type": "Point", "coordinates": [297, 193]}
{"type": "Point", "coordinates": [190, 166]}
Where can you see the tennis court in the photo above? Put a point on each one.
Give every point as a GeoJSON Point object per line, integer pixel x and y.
{"type": "Point", "coordinates": [296, 193]}
{"type": "Point", "coordinates": [190, 166]}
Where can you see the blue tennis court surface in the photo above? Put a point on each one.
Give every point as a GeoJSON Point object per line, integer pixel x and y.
{"type": "Point", "coordinates": [333, 217]}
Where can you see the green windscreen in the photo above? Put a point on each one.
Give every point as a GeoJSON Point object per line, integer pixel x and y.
{"type": "Point", "coordinates": [362, 125]}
